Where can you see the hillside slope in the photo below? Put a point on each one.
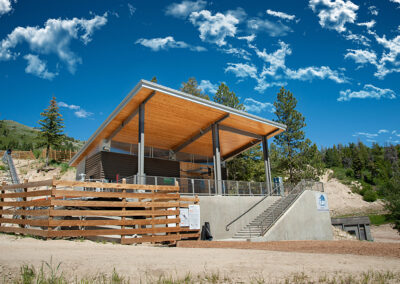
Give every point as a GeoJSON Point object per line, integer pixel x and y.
{"type": "Point", "coordinates": [342, 201]}
{"type": "Point", "coordinates": [18, 136]}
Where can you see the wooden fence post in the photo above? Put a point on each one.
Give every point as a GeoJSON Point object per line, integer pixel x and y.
{"type": "Point", "coordinates": [123, 209]}
{"type": "Point", "coordinates": [2, 198]}
{"type": "Point", "coordinates": [51, 207]}
{"type": "Point", "coordinates": [24, 199]}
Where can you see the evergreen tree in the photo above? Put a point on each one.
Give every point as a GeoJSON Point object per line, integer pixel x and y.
{"type": "Point", "coordinates": [154, 79]}
{"type": "Point", "coordinates": [191, 87]}
{"type": "Point", "coordinates": [290, 143]}
{"type": "Point", "coordinates": [228, 98]}
{"type": "Point", "coordinates": [51, 127]}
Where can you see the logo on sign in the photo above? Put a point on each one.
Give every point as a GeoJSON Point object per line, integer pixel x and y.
{"type": "Point", "coordinates": [322, 202]}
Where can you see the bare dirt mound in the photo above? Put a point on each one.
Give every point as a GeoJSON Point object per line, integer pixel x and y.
{"type": "Point", "coordinates": [385, 233]}
{"type": "Point", "coordinates": [342, 201]}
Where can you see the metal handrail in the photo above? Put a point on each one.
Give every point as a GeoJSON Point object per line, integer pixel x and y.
{"type": "Point", "coordinates": [296, 191]}
{"type": "Point", "coordinates": [251, 208]}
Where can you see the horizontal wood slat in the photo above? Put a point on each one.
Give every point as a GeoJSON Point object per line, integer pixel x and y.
{"type": "Point", "coordinates": [112, 203]}
{"type": "Point", "coordinates": [48, 182]}
{"type": "Point", "coordinates": [105, 232]}
{"type": "Point", "coordinates": [76, 193]}
{"type": "Point", "coordinates": [128, 222]}
{"type": "Point", "coordinates": [116, 185]}
{"type": "Point", "coordinates": [166, 238]}
{"type": "Point", "coordinates": [113, 212]}
{"type": "Point", "coordinates": [24, 231]}
{"type": "Point", "coordinates": [25, 222]}
{"type": "Point", "coordinates": [27, 203]}
{"type": "Point", "coordinates": [26, 194]}
{"type": "Point", "coordinates": [42, 212]}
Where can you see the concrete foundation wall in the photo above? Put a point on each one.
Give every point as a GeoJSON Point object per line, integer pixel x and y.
{"type": "Point", "coordinates": [220, 210]}
{"type": "Point", "coordinates": [302, 221]}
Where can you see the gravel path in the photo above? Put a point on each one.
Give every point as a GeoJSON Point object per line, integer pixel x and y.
{"type": "Point", "coordinates": [138, 262]}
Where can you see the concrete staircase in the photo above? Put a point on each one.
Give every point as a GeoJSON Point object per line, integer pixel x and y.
{"type": "Point", "coordinates": [266, 219]}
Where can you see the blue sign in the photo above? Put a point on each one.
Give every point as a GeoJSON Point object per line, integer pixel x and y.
{"type": "Point", "coordinates": [322, 201]}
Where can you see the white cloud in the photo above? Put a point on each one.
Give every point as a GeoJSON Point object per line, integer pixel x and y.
{"type": "Point", "coordinates": [81, 113]}
{"type": "Point", "coordinates": [252, 105]}
{"type": "Point", "coordinates": [54, 38]}
{"type": "Point", "coordinates": [366, 134]}
{"type": "Point", "coordinates": [185, 8]}
{"type": "Point", "coordinates": [395, 1]}
{"type": "Point", "coordinates": [242, 70]}
{"type": "Point", "coordinates": [250, 38]}
{"type": "Point", "coordinates": [323, 72]}
{"type": "Point", "coordinates": [215, 28]}
{"type": "Point", "coordinates": [159, 43]}
{"type": "Point", "coordinates": [276, 59]}
{"type": "Point", "coordinates": [373, 10]}
{"type": "Point", "coordinates": [281, 15]}
{"type": "Point", "coordinates": [5, 6]}
{"type": "Point", "coordinates": [132, 9]}
{"type": "Point", "coordinates": [238, 52]}
{"type": "Point", "coordinates": [383, 131]}
{"type": "Point", "coordinates": [361, 56]}
{"type": "Point", "coordinates": [78, 111]}
{"type": "Point", "coordinates": [73, 107]}
{"type": "Point", "coordinates": [38, 67]}
{"type": "Point", "coordinates": [271, 28]}
{"type": "Point", "coordinates": [368, 25]}
{"type": "Point", "coordinates": [208, 87]}
{"type": "Point", "coordinates": [334, 14]}
{"type": "Point", "coordinates": [357, 38]}
{"type": "Point", "coordinates": [390, 57]}
{"type": "Point", "coordinates": [369, 91]}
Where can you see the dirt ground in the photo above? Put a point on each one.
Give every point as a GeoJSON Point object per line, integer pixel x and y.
{"type": "Point", "coordinates": [385, 233]}
{"type": "Point", "coordinates": [89, 258]}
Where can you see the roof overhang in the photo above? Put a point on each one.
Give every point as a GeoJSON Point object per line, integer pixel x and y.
{"type": "Point", "coordinates": [176, 120]}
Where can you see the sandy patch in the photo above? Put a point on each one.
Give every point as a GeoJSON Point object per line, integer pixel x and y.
{"type": "Point", "coordinates": [83, 258]}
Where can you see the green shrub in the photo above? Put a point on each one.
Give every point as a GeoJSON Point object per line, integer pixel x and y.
{"type": "Point", "coordinates": [349, 173]}
{"type": "Point", "coordinates": [37, 153]}
{"type": "Point", "coordinates": [370, 195]}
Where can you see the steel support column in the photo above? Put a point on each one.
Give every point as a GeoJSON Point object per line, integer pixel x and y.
{"type": "Point", "coordinates": [140, 174]}
{"type": "Point", "coordinates": [217, 159]}
{"type": "Point", "coordinates": [267, 165]}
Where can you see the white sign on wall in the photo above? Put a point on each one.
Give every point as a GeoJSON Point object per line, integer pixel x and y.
{"type": "Point", "coordinates": [322, 201]}
{"type": "Point", "coordinates": [194, 217]}
{"type": "Point", "coordinates": [184, 216]}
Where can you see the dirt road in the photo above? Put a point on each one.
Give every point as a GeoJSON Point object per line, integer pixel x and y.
{"type": "Point", "coordinates": [88, 258]}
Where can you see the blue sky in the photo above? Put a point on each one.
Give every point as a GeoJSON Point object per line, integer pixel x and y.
{"type": "Point", "coordinates": [341, 59]}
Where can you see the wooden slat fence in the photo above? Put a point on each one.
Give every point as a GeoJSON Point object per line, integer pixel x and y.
{"type": "Point", "coordinates": [127, 212]}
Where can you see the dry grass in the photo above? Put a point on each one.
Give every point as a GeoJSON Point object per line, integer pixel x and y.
{"type": "Point", "coordinates": [51, 273]}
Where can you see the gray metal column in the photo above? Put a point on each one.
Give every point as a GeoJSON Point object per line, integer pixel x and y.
{"type": "Point", "coordinates": [217, 159]}
{"type": "Point", "coordinates": [140, 174]}
{"type": "Point", "coordinates": [267, 164]}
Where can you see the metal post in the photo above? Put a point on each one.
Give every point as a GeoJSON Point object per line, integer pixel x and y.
{"type": "Point", "coordinates": [217, 159]}
{"type": "Point", "coordinates": [193, 186]}
{"type": "Point", "coordinates": [141, 145]}
{"type": "Point", "coordinates": [267, 164]}
{"type": "Point", "coordinates": [209, 187]}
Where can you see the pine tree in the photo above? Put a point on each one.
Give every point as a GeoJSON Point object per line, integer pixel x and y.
{"type": "Point", "coordinates": [191, 87]}
{"type": "Point", "coordinates": [228, 98]}
{"type": "Point", "coordinates": [291, 142]}
{"type": "Point", "coordinates": [51, 127]}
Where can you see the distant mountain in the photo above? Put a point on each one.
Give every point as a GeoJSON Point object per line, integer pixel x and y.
{"type": "Point", "coordinates": [17, 136]}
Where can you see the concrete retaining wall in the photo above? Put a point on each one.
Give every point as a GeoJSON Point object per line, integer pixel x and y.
{"type": "Point", "coordinates": [220, 210]}
{"type": "Point", "coordinates": [302, 221]}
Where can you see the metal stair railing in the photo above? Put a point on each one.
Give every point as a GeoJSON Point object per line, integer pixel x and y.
{"type": "Point", "coordinates": [294, 194]}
